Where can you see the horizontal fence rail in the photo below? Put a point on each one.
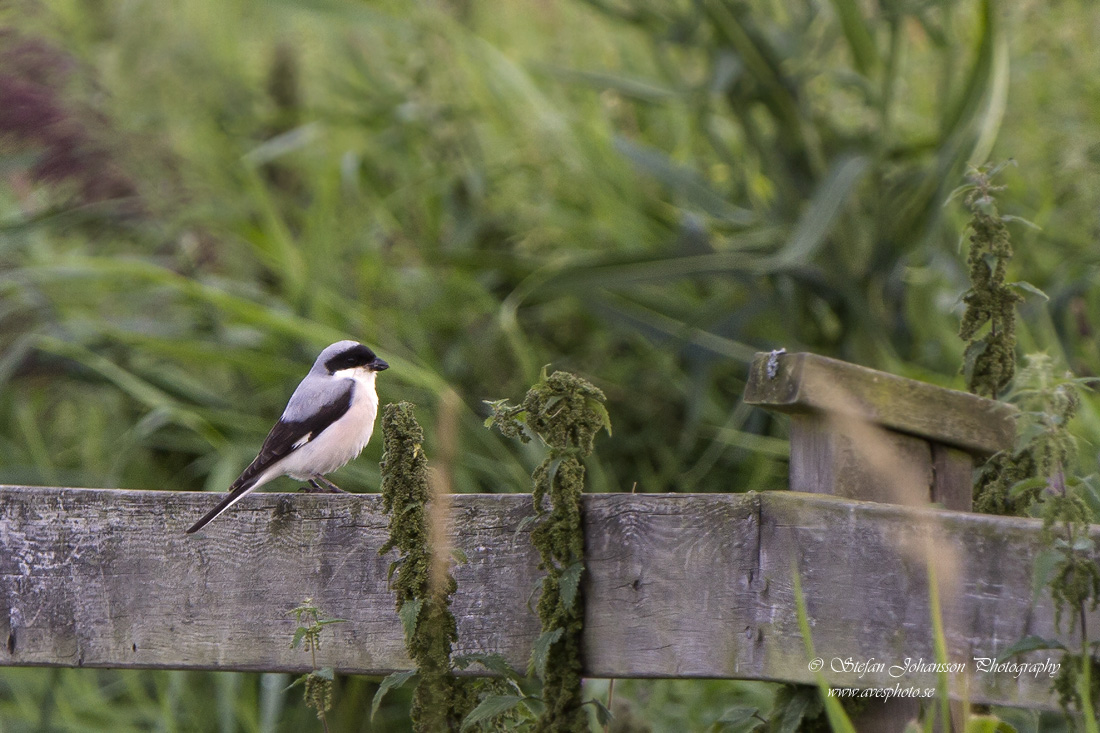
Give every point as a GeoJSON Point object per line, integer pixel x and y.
{"type": "Point", "coordinates": [678, 585]}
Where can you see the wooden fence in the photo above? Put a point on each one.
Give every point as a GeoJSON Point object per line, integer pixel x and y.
{"type": "Point", "coordinates": [677, 585]}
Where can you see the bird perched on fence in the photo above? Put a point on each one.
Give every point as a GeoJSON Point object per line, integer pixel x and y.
{"type": "Point", "coordinates": [328, 421]}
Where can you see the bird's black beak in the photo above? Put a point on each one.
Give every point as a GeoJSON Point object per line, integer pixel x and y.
{"type": "Point", "coordinates": [378, 365]}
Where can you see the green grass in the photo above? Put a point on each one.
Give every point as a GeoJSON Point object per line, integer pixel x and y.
{"type": "Point", "coordinates": [641, 194]}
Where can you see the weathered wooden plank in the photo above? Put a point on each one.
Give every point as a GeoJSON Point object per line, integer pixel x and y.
{"type": "Point", "coordinates": [670, 588]}
{"type": "Point", "coordinates": [679, 585]}
{"type": "Point", "coordinates": [868, 566]}
{"type": "Point", "coordinates": [809, 383]}
{"type": "Point", "coordinates": [852, 458]}
{"type": "Point", "coordinates": [107, 578]}
{"type": "Point", "coordinates": [831, 457]}
{"type": "Point", "coordinates": [953, 485]}
{"type": "Point", "coordinates": [834, 453]}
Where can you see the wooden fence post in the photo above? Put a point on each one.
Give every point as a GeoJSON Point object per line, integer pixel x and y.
{"type": "Point", "coordinates": [868, 435]}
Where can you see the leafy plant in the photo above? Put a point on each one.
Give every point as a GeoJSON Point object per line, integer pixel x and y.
{"type": "Point", "coordinates": [1036, 476]}
{"type": "Point", "coordinates": [1067, 504]}
{"type": "Point", "coordinates": [565, 412]}
{"type": "Point", "coordinates": [319, 681]}
{"type": "Point", "coordinates": [989, 322]}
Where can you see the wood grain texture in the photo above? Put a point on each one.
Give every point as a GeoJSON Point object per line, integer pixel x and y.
{"type": "Point", "coordinates": [680, 585]}
{"type": "Point", "coordinates": [826, 459]}
{"type": "Point", "coordinates": [808, 383]}
{"type": "Point", "coordinates": [953, 469]}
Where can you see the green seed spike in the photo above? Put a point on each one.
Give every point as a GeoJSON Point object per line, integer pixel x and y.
{"type": "Point", "coordinates": [565, 412]}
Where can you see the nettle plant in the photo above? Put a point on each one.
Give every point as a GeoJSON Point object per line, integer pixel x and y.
{"type": "Point", "coordinates": [318, 682]}
{"type": "Point", "coordinates": [1036, 477]}
{"type": "Point", "coordinates": [989, 322]}
{"type": "Point", "coordinates": [565, 412]}
{"type": "Point", "coordinates": [423, 601]}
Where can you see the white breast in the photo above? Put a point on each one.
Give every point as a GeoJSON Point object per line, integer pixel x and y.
{"type": "Point", "coordinates": [345, 439]}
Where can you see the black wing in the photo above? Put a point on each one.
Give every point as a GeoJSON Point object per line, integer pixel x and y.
{"type": "Point", "coordinates": [285, 438]}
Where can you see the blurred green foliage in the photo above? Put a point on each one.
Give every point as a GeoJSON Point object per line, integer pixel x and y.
{"type": "Point", "coordinates": [196, 197]}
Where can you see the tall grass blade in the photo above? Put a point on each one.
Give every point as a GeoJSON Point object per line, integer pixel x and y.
{"type": "Point", "coordinates": [684, 182]}
{"type": "Point", "coordinates": [939, 644]}
{"type": "Point", "coordinates": [858, 33]}
{"type": "Point", "coordinates": [815, 225]}
{"type": "Point", "coordinates": [838, 719]}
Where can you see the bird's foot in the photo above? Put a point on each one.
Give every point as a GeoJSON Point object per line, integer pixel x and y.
{"type": "Point", "coordinates": [327, 488]}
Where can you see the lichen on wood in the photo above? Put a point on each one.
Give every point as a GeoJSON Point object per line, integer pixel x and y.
{"type": "Point", "coordinates": [565, 412]}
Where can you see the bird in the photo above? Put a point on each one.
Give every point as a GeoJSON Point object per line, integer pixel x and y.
{"type": "Point", "coordinates": [326, 424]}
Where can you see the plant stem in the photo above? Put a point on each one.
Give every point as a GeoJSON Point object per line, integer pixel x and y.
{"type": "Point", "coordinates": [610, 699]}
{"type": "Point", "coordinates": [1085, 687]}
{"type": "Point", "coordinates": [313, 656]}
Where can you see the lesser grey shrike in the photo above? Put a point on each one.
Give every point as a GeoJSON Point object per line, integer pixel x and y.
{"type": "Point", "coordinates": [328, 421]}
